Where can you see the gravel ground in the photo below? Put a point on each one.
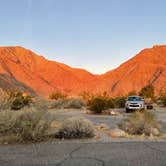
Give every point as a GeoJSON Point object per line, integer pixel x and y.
{"type": "Point", "coordinates": [111, 122]}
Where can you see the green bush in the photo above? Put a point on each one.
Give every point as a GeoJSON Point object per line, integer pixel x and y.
{"type": "Point", "coordinates": [26, 126]}
{"type": "Point", "coordinates": [57, 95]}
{"type": "Point", "coordinates": [20, 101]}
{"type": "Point", "coordinates": [99, 103]}
{"type": "Point", "coordinates": [140, 123]}
{"type": "Point", "coordinates": [76, 128]}
{"type": "Point", "coordinates": [147, 92]}
{"type": "Point", "coordinates": [119, 102]}
{"type": "Point", "coordinates": [15, 100]}
{"type": "Point", "coordinates": [162, 98]}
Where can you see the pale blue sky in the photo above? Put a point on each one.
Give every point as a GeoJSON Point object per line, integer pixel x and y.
{"type": "Point", "coordinates": [97, 35]}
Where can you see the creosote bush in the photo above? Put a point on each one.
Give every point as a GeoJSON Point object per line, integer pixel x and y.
{"type": "Point", "coordinates": [162, 98]}
{"type": "Point", "coordinates": [147, 92]}
{"type": "Point", "coordinates": [138, 123]}
{"type": "Point", "coordinates": [119, 102]}
{"type": "Point", "coordinates": [75, 128]}
{"type": "Point", "coordinates": [57, 95]}
{"type": "Point", "coordinates": [99, 103]}
{"type": "Point", "coordinates": [15, 100]}
{"type": "Point", "coordinates": [26, 126]}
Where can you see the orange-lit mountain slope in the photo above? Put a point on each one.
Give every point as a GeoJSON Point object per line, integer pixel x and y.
{"type": "Point", "coordinates": [42, 75]}
{"type": "Point", "coordinates": [21, 68]}
{"type": "Point", "coordinates": [148, 66]}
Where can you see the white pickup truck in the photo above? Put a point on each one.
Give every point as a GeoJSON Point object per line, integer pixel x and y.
{"type": "Point", "coordinates": [134, 103]}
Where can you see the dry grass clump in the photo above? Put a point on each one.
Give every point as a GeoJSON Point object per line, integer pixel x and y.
{"type": "Point", "coordinates": [25, 126]}
{"type": "Point", "coordinates": [140, 123]}
{"type": "Point", "coordinates": [76, 128]}
{"type": "Point", "coordinates": [57, 104]}
{"type": "Point", "coordinates": [40, 103]}
{"type": "Point", "coordinates": [74, 103]}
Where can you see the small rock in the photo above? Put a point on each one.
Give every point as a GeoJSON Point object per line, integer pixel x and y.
{"type": "Point", "coordinates": [155, 132]}
{"type": "Point", "coordinates": [117, 133]}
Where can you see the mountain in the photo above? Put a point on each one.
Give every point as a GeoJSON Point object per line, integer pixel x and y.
{"type": "Point", "coordinates": [148, 66]}
{"type": "Point", "coordinates": [42, 75]}
{"type": "Point", "coordinates": [20, 68]}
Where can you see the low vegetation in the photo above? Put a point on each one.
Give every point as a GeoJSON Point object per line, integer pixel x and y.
{"type": "Point", "coordinates": [25, 126]}
{"type": "Point", "coordinates": [99, 103]}
{"type": "Point", "coordinates": [119, 102]}
{"type": "Point", "coordinates": [76, 128]}
{"type": "Point", "coordinates": [57, 95]}
{"type": "Point", "coordinates": [162, 98]}
{"type": "Point", "coordinates": [138, 123]}
{"type": "Point", "coordinates": [15, 100]}
{"type": "Point", "coordinates": [147, 92]}
{"type": "Point", "coordinates": [74, 103]}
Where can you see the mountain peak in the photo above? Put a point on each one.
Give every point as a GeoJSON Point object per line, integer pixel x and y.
{"type": "Point", "coordinates": [22, 67]}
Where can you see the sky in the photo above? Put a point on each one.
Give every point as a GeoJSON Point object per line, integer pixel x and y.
{"type": "Point", "coordinates": [97, 35]}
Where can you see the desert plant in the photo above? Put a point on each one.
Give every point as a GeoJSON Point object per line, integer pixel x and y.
{"type": "Point", "coordinates": [41, 104]}
{"type": "Point", "coordinates": [147, 92]}
{"type": "Point", "coordinates": [162, 98]}
{"type": "Point", "coordinates": [57, 95]}
{"type": "Point", "coordinates": [99, 103]}
{"type": "Point", "coordinates": [119, 102]}
{"type": "Point", "coordinates": [27, 126]}
{"type": "Point", "coordinates": [15, 100]}
{"type": "Point", "coordinates": [74, 103]}
{"type": "Point", "coordinates": [76, 128]}
{"type": "Point", "coordinates": [140, 123]}
{"type": "Point", "coordinates": [86, 96]}
{"type": "Point", "coordinates": [21, 101]}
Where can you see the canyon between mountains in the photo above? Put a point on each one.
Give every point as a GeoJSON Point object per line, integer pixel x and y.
{"type": "Point", "coordinates": [22, 69]}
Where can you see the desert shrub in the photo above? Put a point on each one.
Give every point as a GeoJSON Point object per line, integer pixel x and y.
{"type": "Point", "coordinates": [20, 101]}
{"type": "Point", "coordinates": [147, 92]}
{"type": "Point", "coordinates": [58, 104]}
{"type": "Point", "coordinates": [5, 103]}
{"type": "Point", "coordinates": [41, 104]}
{"type": "Point", "coordinates": [140, 123]}
{"type": "Point", "coordinates": [57, 95]}
{"type": "Point", "coordinates": [86, 96]}
{"type": "Point", "coordinates": [119, 102]}
{"type": "Point", "coordinates": [74, 103]}
{"type": "Point", "coordinates": [162, 98]}
{"type": "Point", "coordinates": [76, 128]}
{"type": "Point", "coordinates": [26, 126]}
{"type": "Point", "coordinates": [99, 103]}
{"type": "Point", "coordinates": [15, 100]}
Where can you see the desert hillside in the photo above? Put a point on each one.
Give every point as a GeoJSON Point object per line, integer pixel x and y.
{"type": "Point", "coordinates": [148, 66]}
{"type": "Point", "coordinates": [23, 69]}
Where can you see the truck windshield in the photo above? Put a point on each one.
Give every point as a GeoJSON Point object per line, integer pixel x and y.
{"type": "Point", "coordinates": [134, 98]}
